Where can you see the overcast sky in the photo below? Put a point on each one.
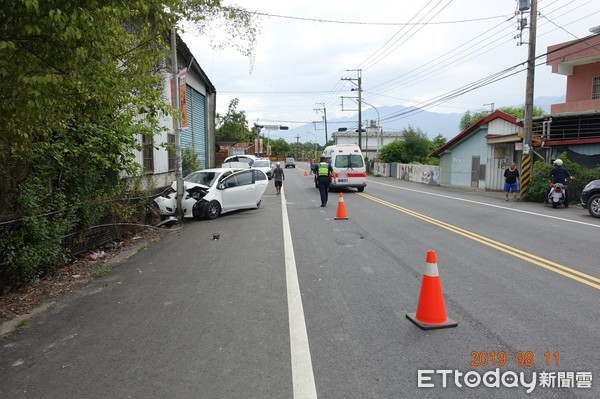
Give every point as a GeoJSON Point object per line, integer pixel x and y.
{"type": "Point", "coordinates": [410, 53]}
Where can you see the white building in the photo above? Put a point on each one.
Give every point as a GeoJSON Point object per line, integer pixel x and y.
{"type": "Point", "coordinates": [198, 107]}
{"type": "Point", "coordinates": [372, 139]}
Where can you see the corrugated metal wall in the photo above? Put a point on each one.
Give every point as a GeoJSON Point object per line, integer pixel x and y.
{"type": "Point", "coordinates": [499, 158]}
{"type": "Point", "coordinates": [196, 134]}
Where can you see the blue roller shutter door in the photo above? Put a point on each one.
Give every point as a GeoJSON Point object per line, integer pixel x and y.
{"type": "Point", "coordinates": [196, 135]}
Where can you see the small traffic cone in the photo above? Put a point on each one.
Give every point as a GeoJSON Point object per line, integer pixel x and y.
{"type": "Point", "coordinates": [431, 313]}
{"type": "Point", "coordinates": [341, 210]}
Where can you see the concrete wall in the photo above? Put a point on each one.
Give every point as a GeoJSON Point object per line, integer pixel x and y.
{"type": "Point", "coordinates": [424, 174]}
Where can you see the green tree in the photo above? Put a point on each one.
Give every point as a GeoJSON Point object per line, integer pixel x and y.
{"type": "Point", "coordinates": [393, 152]}
{"type": "Point", "coordinates": [281, 148]}
{"type": "Point", "coordinates": [416, 145]}
{"type": "Point", "coordinates": [189, 161]}
{"type": "Point", "coordinates": [234, 123]}
{"type": "Point", "coordinates": [80, 82]}
{"type": "Point", "coordinates": [518, 112]}
{"type": "Point", "coordinates": [468, 119]}
{"type": "Point", "coordinates": [437, 142]}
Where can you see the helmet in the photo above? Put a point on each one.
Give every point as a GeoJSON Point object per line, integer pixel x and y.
{"type": "Point", "coordinates": [558, 162]}
{"type": "Point", "coordinates": [278, 163]}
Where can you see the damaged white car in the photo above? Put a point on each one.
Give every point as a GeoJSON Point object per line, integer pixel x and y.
{"type": "Point", "coordinates": [211, 192]}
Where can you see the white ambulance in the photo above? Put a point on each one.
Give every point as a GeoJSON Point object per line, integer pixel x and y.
{"type": "Point", "coordinates": [348, 165]}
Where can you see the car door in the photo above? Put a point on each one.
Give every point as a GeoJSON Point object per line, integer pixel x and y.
{"type": "Point", "coordinates": [261, 182]}
{"type": "Point", "coordinates": [238, 191]}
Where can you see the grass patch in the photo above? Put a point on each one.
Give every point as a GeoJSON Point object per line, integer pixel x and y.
{"type": "Point", "coordinates": [102, 271]}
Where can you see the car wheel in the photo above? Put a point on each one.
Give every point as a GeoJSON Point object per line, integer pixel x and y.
{"type": "Point", "coordinates": [258, 204]}
{"type": "Point", "coordinates": [361, 189]}
{"type": "Point", "coordinates": [213, 210]}
{"type": "Point", "coordinates": [593, 205]}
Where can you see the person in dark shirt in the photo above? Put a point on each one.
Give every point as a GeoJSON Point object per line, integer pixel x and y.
{"type": "Point", "coordinates": [511, 181]}
{"type": "Point", "coordinates": [278, 177]}
{"type": "Point", "coordinates": [558, 174]}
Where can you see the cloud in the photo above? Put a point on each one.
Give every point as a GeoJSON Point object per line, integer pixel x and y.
{"type": "Point", "coordinates": [300, 60]}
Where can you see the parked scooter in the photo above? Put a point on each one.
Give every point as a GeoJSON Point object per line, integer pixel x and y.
{"type": "Point", "coordinates": [556, 196]}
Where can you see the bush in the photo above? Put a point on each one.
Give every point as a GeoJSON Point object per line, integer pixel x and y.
{"type": "Point", "coordinates": [189, 161]}
{"type": "Point", "coordinates": [56, 226]}
{"type": "Point", "coordinates": [540, 179]}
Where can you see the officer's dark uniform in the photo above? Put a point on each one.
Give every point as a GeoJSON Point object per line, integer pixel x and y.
{"type": "Point", "coordinates": [324, 171]}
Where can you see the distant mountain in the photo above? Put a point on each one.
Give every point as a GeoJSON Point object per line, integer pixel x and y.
{"type": "Point", "coordinates": [545, 102]}
{"type": "Point", "coordinates": [430, 123]}
{"type": "Point", "coordinates": [395, 118]}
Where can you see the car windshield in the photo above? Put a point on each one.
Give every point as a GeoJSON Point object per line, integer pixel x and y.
{"type": "Point", "coordinates": [202, 177]}
{"type": "Point", "coordinates": [349, 161]}
{"type": "Point", "coordinates": [261, 164]}
{"type": "Point", "coordinates": [289, 160]}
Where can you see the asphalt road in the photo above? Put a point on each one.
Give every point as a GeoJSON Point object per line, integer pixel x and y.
{"type": "Point", "coordinates": [291, 303]}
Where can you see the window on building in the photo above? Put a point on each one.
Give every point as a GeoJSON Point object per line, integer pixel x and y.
{"type": "Point", "coordinates": [596, 88]}
{"type": "Point", "coordinates": [172, 158]}
{"type": "Point", "coordinates": [148, 144]}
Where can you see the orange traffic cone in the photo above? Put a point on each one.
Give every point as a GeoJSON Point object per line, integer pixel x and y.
{"type": "Point", "coordinates": [341, 211]}
{"type": "Point", "coordinates": [431, 313]}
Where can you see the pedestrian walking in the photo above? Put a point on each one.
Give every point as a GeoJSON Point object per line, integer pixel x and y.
{"type": "Point", "coordinates": [311, 166]}
{"type": "Point", "coordinates": [511, 181]}
{"type": "Point", "coordinates": [324, 176]}
{"type": "Point", "coordinates": [278, 177]}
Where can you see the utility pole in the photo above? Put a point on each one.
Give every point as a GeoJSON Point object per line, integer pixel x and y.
{"type": "Point", "coordinates": [359, 89]}
{"type": "Point", "coordinates": [527, 158]}
{"type": "Point", "coordinates": [297, 145]}
{"type": "Point", "coordinates": [324, 118]}
{"type": "Point", "coordinates": [256, 137]}
{"type": "Point", "coordinates": [177, 125]}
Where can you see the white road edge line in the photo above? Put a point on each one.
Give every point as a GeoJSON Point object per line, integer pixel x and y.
{"type": "Point", "coordinates": [302, 372]}
{"type": "Point", "coordinates": [490, 205]}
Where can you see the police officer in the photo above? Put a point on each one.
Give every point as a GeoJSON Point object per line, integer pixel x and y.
{"type": "Point", "coordinates": [324, 176]}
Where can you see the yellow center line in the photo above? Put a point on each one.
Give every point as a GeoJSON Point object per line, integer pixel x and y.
{"type": "Point", "coordinates": [526, 256]}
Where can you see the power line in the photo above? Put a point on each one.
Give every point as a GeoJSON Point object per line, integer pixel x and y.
{"type": "Point", "coordinates": [462, 21]}
{"type": "Point", "coordinates": [398, 32]}
{"type": "Point", "coordinates": [439, 67]}
{"type": "Point", "coordinates": [480, 83]}
{"type": "Point", "coordinates": [396, 43]}
{"type": "Point", "coordinates": [421, 70]}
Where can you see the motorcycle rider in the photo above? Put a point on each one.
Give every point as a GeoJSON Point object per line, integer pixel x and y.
{"type": "Point", "coordinates": [558, 174]}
